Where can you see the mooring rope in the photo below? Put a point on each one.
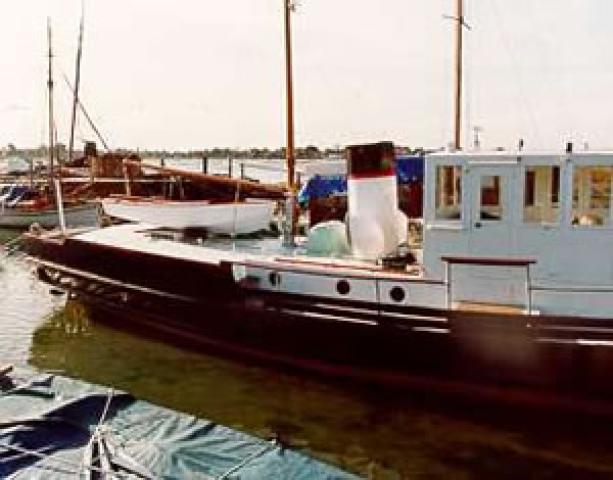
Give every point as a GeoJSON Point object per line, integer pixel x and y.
{"type": "Point", "coordinates": [13, 245]}
{"type": "Point", "coordinates": [76, 468]}
{"type": "Point", "coordinates": [71, 467]}
{"type": "Point", "coordinates": [95, 433]}
{"type": "Point", "coordinates": [246, 460]}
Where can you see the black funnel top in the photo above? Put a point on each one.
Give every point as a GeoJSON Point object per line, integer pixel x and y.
{"type": "Point", "coordinates": [371, 160]}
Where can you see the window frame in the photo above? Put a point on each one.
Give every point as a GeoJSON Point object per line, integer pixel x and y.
{"type": "Point", "coordinates": [558, 194]}
{"type": "Point", "coordinates": [575, 204]}
{"type": "Point", "coordinates": [458, 191]}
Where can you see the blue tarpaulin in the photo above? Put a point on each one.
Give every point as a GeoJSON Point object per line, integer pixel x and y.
{"type": "Point", "coordinates": [322, 186]}
{"type": "Point", "coordinates": [55, 427]}
{"type": "Point", "coordinates": [13, 193]}
{"type": "Point", "coordinates": [409, 169]}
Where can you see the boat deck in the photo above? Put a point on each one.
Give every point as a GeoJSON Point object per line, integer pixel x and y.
{"type": "Point", "coordinates": [217, 250]}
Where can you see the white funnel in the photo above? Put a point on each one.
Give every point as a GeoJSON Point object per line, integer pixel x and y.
{"type": "Point", "coordinates": [376, 225]}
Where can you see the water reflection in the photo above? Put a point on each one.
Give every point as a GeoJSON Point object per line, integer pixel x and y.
{"type": "Point", "coordinates": [22, 300]}
{"type": "Point", "coordinates": [378, 435]}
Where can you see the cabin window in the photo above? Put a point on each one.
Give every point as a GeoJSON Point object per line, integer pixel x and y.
{"type": "Point", "coordinates": [592, 195]}
{"type": "Point", "coordinates": [448, 191]}
{"type": "Point", "coordinates": [542, 195]}
{"type": "Point", "coordinates": [491, 198]}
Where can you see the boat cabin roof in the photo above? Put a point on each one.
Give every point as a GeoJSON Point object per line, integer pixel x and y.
{"type": "Point", "coordinates": [521, 157]}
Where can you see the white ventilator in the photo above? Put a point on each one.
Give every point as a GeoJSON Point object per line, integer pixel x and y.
{"type": "Point", "coordinates": [376, 225]}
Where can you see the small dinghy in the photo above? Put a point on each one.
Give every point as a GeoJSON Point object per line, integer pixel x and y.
{"type": "Point", "coordinates": [217, 217]}
{"type": "Point", "coordinates": [55, 427]}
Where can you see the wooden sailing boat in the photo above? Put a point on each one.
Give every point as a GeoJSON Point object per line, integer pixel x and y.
{"type": "Point", "coordinates": [216, 217]}
{"type": "Point", "coordinates": [242, 215]}
{"type": "Point", "coordinates": [23, 206]}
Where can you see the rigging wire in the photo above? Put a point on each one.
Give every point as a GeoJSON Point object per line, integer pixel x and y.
{"type": "Point", "coordinates": [85, 112]}
{"type": "Point", "coordinates": [43, 124]}
{"type": "Point", "coordinates": [523, 98]}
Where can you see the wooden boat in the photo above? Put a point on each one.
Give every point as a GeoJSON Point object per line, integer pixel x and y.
{"type": "Point", "coordinates": [223, 217]}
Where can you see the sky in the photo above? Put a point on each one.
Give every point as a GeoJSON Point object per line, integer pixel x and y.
{"type": "Point", "coordinates": [189, 74]}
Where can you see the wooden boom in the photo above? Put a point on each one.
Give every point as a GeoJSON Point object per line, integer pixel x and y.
{"type": "Point", "coordinates": [247, 187]}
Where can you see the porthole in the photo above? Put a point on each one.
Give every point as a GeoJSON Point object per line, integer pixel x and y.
{"type": "Point", "coordinates": [397, 294]}
{"type": "Point", "coordinates": [274, 278]}
{"type": "Point", "coordinates": [343, 287]}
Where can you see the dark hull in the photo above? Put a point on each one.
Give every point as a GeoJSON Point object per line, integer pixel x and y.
{"type": "Point", "coordinates": [482, 355]}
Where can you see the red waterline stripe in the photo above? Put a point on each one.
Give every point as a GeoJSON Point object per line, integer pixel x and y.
{"type": "Point", "coordinates": [388, 172]}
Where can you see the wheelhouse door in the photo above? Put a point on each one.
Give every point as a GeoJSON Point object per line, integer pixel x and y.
{"type": "Point", "coordinates": [493, 195]}
{"type": "Point", "coordinates": [491, 212]}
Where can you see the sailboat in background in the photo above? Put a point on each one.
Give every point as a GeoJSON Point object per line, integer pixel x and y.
{"type": "Point", "coordinates": [22, 206]}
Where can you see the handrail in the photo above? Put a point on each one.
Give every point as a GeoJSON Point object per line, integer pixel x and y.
{"type": "Point", "coordinates": [571, 289]}
{"type": "Point", "coordinates": [282, 264]}
{"type": "Point", "coordinates": [489, 261]}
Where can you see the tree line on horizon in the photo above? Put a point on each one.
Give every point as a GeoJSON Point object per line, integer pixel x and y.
{"type": "Point", "coordinates": [310, 152]}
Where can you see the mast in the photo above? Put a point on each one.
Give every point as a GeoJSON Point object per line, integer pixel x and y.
{"type": "Point", "coordinates": [86, 115]}
{"type": "Point", "coordinates": [50, 95]}
{"type": "Point", "coordinates": [459, 19]}
{"type": "Point", "coordinates": [289, 151]}
{"type": "Point", "coordinates": [75, 97]}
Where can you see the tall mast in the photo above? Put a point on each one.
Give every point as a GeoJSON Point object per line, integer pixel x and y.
{"type": "Point", "coordinates": [50, 95]}
{"type": "Point", "coordinates": [75, 97]}
{"type": "Point", "coordinates": [459, 21]}
{"type": "Point", "coordinates": [289, 152]}
{"type": "Point", "coordinates": [288, 237]}
{"type": "Point", "coordinates": [86, 115]}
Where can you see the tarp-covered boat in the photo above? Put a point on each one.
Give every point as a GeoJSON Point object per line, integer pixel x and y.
{"type": "Point", "coordinates": [55, 427]}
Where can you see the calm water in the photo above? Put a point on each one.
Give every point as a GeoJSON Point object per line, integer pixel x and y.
{"type": "Point", "coordinates": [386, 436]}
{"type": "Point", "coordinates": [266, 171]}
